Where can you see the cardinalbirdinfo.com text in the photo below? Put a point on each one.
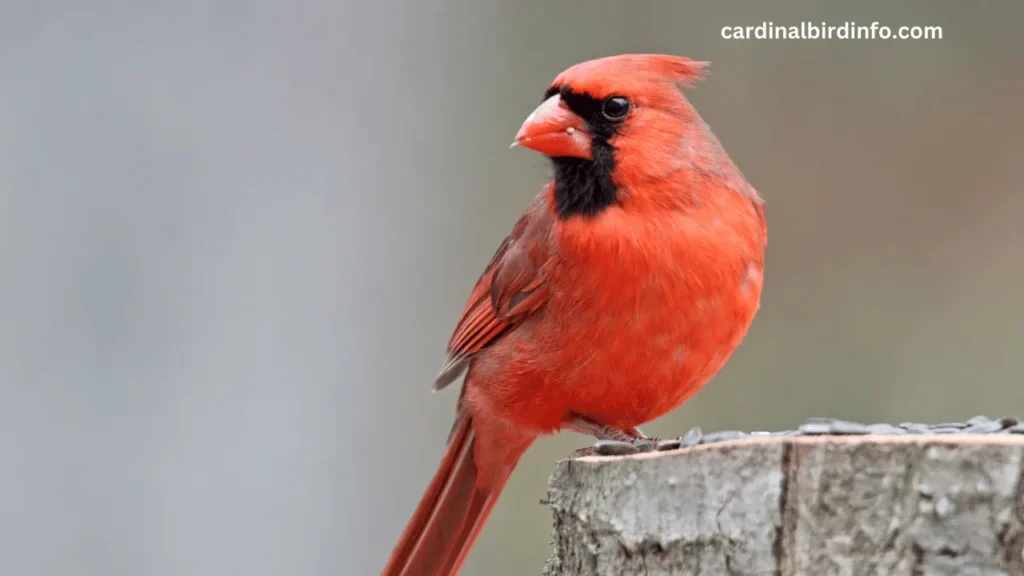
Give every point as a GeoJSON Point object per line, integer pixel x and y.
{"type": "Point", "coordinates": [826, 31]}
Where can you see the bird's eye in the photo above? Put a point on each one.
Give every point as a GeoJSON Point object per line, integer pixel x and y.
{"type": "Point", "coordinates": [615, 108]}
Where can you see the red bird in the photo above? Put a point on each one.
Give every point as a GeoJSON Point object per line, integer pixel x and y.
{"type": "Point", "coordinates": [623, 288]}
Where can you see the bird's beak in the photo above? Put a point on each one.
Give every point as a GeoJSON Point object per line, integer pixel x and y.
{"type": "Point", "coordinates": [554, 130]}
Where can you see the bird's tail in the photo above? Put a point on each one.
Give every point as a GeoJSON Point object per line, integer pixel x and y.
{"type": "Point", "coordinates": [452, 510]}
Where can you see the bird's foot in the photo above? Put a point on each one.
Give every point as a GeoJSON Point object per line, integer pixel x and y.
{"type": "Point", "coordinates": [624, 448]}
{"type": "Point", "coordinates": [584, 425]}
{"type": "Point", "coordinates": [616, 442]}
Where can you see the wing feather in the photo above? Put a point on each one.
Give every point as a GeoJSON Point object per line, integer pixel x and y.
{"type": "Point", "coordinates": [511, 288]}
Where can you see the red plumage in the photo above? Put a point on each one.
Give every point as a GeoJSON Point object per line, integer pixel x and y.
{"type": "Point", "coordinates": [622, 289]}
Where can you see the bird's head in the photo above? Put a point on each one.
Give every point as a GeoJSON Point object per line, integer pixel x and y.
{"type": "Point", "coordinates": [613, 123]}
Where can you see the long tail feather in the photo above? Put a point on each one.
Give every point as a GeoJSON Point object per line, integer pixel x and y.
{"type": "Point", "coordinates": [450, 514]}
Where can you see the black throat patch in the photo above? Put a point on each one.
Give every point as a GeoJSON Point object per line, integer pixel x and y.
{"type": "Point", "coordinates": [584, 187]}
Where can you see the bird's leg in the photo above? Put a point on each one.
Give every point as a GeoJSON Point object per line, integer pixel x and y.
{"type": "Point", "coordinates": [631, 437]}
{"type": "Point", "coordinates": [585, 425]}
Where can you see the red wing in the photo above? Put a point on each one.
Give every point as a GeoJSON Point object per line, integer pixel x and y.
{"type": "Point", "coordinates": [510, 288]}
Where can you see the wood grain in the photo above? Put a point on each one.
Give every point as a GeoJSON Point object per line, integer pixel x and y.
{"type": "Point", "coordinates": [859, 505]}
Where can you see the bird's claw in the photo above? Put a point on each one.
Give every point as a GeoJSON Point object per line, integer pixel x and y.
{"type": "Point", "coordinates": [584, 452]}
{"type": "Point", "coordinates": [620, 442]}
{"type": "Point", "coordinates": [627, 447]}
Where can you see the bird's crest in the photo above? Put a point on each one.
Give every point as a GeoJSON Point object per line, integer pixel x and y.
{"type": "Point", "coordinates": [625, 70]}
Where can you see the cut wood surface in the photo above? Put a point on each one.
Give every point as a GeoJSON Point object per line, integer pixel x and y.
{"type": "Point", "coordinates": [818, 506]}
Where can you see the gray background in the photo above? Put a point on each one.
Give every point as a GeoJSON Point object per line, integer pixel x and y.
{"type": "Point", "coordinates": [235, 236]}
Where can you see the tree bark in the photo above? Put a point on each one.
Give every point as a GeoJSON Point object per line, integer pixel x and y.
{"type": "Point", "coordinates": [816, 506]}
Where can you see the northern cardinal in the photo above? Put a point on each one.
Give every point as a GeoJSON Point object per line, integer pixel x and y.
{"type": "Point", "coordinates": [622, 289]}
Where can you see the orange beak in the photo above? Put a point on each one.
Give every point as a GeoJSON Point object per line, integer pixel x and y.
{"type": "Point", "coordinates": [554, 130]}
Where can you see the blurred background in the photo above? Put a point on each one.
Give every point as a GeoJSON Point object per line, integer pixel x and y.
{"type": "Point", "coordinates": [235, 237]}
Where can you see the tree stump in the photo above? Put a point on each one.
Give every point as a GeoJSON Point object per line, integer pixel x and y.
{"type": "Point", "coordinates": [816, 505]}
